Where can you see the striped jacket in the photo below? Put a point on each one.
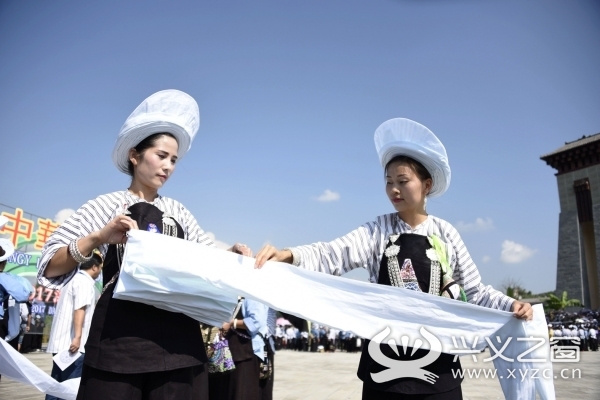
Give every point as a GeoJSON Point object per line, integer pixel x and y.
{"type": "Point", "coordinates": [96, 214]}
{"type": "Point", "coordinates": [364, 247]}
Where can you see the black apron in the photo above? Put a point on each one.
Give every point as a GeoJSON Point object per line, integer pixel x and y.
{"type": "Point", "coordinates": [129, 337]}
{"type": "Point", "coordinates": [412, 247]}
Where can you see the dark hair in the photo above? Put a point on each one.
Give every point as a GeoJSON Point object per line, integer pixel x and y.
{"type": "Point", "coordinates": [2, 252]}
{"type": "Point", "coordinates": [96, 260]}
{"type": "Point", "coordinates": [416, 166]}
{"type": "Point", "coordinates": [145, 145]}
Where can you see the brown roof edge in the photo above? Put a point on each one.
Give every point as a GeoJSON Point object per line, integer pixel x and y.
{"type": "Point", "coordinates": [573, 145]}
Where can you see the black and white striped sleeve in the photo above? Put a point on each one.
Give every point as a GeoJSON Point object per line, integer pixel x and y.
{"type": "Point", "coordinates": [91, 217]}
{"type": "Point", "coordinates": [468, 277]}
{"type": "Point", "coordinates": [193, 231]}
{"type": "Point", "coordinates": [357, 249]}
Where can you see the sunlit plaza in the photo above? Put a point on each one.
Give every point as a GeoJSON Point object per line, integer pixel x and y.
{"type": "Point", "coordinates": [332, 376]}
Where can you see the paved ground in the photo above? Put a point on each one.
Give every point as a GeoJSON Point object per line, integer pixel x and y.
{"type": "Point", "coordinates": [332, 376]}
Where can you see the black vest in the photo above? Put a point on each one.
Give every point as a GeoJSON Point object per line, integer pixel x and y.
{"type": "Point", "coordinates": [129, 337]}
{"type": "Point", "coordinates": [412, 247]}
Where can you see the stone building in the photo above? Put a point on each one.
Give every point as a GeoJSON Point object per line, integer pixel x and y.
{"type": "Point", "coordinates": [578, 180]}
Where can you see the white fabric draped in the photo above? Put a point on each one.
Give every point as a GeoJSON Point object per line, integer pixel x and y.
{"type": "Point", "coordinates": [204, 283]}
{"type": "Point", "coordinates": [16, 366]}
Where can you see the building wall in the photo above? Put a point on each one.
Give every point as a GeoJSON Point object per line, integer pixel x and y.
{"type": "Point", "coordinates": [571, 269]}
{"type": "Point", "coordinates": [566, 194]}
{"type": "Point", "coordinates": [569, 262]}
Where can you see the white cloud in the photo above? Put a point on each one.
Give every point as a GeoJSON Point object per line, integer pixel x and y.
{"type": "Point", "coordinates": [513, 253]}
{"type": "Point", "coordinates": [479, 225]}
{"type": "Point", "coordinates": [328, 195]}
{"type": "Point", "coordinates": [486, 259]}
{"type": "Point", "coordinates": [63, 214]}
{"type": "Point", "coordinates": [220, 245]}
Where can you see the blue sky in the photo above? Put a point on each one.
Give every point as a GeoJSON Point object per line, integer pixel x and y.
{"type": "Point", "coordinates": [290, 94]}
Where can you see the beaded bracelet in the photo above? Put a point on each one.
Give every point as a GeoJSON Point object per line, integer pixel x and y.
{"type": "Point", "coordinates": [76, 254]}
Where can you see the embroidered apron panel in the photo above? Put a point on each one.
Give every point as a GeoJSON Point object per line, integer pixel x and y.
{"type": "Point", "coordinates": [420, 273]}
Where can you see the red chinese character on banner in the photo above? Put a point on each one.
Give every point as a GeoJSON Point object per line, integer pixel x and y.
{"type": "Point", "coordinates": [45, 229]}
{"type": "Point", "coordinates": [17, 226]}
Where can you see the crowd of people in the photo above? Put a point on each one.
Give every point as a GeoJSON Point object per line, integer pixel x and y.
{"type": "Point", "coordinates": [574, 328]}
{"type": "Point", "coordinates": [583, 335]}
{"type": "Point", "coordinates": [320, 339]}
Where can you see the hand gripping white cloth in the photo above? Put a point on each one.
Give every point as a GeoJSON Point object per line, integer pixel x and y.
{"type": "Point", "coordinates": [15, 366]}
{"type": "Point", "coordinates": [204, 283]}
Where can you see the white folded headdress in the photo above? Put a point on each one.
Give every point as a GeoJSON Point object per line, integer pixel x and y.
{"type": "Point", "coordinates": [8, 248]}
{"type": "Point", "coordinates": [404, 137]}
{"type": "Point", "coordinates": [170, 111]}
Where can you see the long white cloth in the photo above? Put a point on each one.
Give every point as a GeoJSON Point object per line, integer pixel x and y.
{"type": "Point", "coordinates": [204, 283]}
{"type": "Point", "coordinates": [16, 366]}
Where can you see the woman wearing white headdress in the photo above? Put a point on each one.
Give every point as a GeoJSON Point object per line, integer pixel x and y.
{"type": "Point", "coordinates": [136, 351]}
{"type": "Point", "coordinates": [407, 248]}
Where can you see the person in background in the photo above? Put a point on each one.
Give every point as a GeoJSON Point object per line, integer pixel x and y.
{"type": "Point", "coordinates": [593, 332]}
{"type": "Point", "coordinates": [304, 339]}
{"type": "Point", "coordinates": [73, 317]}
{"type": "Point", "coordinates": [323, 337]}
{"type": "Point", "coordinates": [341, 340]}
{"type": "Point", "coordinates": [332, 339]}
{"type": "Point", "coordinates": [558, 334]}
{"type": "Point", "coordinates": [291, 338]}
{"type": "Point", "coordinates": [13, 290]}
{"type": "Point", "coordinates": [566, 332]}
{"type": "Point", "coordinates": [267, 386]}
{"type": "Point", "coordinates": [278, 337]}
{"type": "Point", "coordinates": [297, 339]}
{"type": "Point", "coordinates": [25, 322]}
{"type": "Point", "coordinates": [246, 334]}
{"type": "Point", "coordinates": [316, 337]}
{"type": "Point", "coordinates": [583, 342]}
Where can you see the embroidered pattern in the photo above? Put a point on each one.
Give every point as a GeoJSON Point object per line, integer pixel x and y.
{"type": "Point", "coordinates": [221, 359]}
{"type": "Point", "coordinates": [434, 278]}
{"type": "Point", "coordinates": [408, 276]}
{"type": "Point", "coordinates": [152, 228]}
{"type": "Point", "coordinates": [169, 225]}
{"type": "Point", "coordinates": [393, 266]}
{"type": "Point", "coordinates": [405, 277]}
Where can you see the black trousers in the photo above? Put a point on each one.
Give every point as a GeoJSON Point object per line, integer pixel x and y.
{"type": "Point", "coordinates": [240, 384]}
{"type": "Point", "coordinates": [179, 384]}
{"type": "Point", "coordinates": [372, 394]}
